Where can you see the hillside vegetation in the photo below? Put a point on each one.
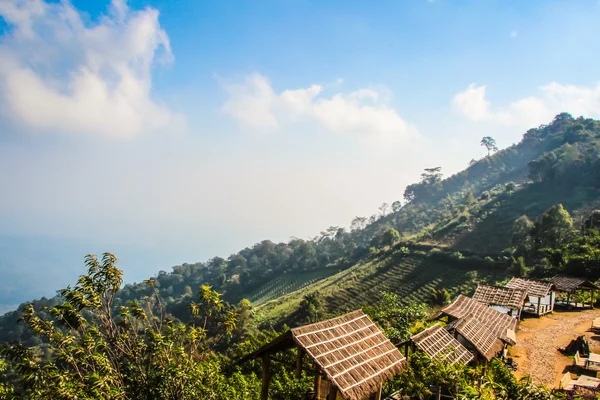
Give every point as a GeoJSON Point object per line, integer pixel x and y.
{"type": "Point", "coordinates": [529, 210]}
{"type": "Point", "coordinates": [471, 212]}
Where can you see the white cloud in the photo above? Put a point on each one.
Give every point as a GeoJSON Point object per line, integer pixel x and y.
{"type": "Point", "coordinates": [551, 100]}
{"type": "Point", "coordinates": [364, 112]}
{"type": "Point", "coordinates": [60, 74]}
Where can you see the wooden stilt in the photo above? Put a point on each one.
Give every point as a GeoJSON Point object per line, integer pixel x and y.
{"type": "Point", "coordinates": [539, 310]}
{"type": "Point", "coordinates": [568, 298]}
{"type": "Point", "coordinates": [439, 392]}
{"type": "Point", "coordinates": [266, 377]}
{"type": "Point", "coordinates": [378, 394]}
{"type": "Point", "coordinates": [318, 386]}
{"type": "Point", "coordinates": [299, 358]}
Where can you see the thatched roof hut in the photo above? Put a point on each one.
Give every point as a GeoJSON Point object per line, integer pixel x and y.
{"type": "Point", "coordinates": [502, 325]}
{"type": "Point", "coordinates": [438, 343]}
{"type": "Point", "coordinates": [350, 351]}
{"type": "Point", "coordinates": [540, 295]}
{"type": "Point", "coordinates": [571, 284]}
{"type": "Point", "coordinates": [481, 336]}
{"type": "Point", "coordinates": [532, 287]}
{"type": "Point", "coordinates": [505, 297]}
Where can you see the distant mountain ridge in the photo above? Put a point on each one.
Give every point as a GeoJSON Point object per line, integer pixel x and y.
{"type": "Point", "coordinates": [464, 220]}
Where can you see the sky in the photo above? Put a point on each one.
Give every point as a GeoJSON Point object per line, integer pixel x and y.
{"type": "Point", "coordinates": [171, 132]}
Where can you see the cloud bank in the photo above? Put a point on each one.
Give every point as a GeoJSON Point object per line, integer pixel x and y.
{"type": "Point", "coordinates": [551, 100]}
{"type": "Point", "coordinates": [255, 105]}
{"type": "Point", "coordinates": [59, 73]}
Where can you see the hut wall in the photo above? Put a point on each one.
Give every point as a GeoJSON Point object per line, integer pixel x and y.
{"type": "Point", "coordinates": [506, 310]}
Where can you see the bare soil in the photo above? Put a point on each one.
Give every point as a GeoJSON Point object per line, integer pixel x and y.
{"type": "Point", "coordinates": [538, 341]}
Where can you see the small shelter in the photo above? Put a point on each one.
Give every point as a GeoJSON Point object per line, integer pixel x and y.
{"type": "Point", "coordinates": [477, 326]}
{"type": "Point", "coordinates": [349, 351]}
{"type": "Point", "coordinates": [540, 295]}
{"type": "Point", "coordinates": [504, 299]}
{"type": "Point", "coordinates": [571, 285]}
{"type": "Point", "coordinates": [438, 343]}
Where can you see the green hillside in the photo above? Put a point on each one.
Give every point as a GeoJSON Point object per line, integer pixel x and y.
{"type": "Point", "coordinates": [471, 212]}
{"type": "Point", "coordinates": [287, 283]}
{"type": "Point", "coordinates": [412, 274]}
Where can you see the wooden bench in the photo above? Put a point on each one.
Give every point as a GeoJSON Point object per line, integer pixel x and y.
{"type": "Point", "coordinates": [579, 361]}
{"type": "Point", "coordinates": [566, 382]}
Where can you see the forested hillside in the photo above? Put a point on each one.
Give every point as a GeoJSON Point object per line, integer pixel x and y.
{"type": "Point", "coordinates": [470, 213]}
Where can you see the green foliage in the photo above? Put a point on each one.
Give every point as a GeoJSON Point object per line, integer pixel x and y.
{"type": "Point", "coordinates": [95, 354]}
{"type": "Point", "coordinates": [469, 198]}
{"type": "Point", "coordinates": [440, 297]}
{"type": "Point", "coordinates": [554, 229]}
{"type": "Point", "coordinates": [490, 144]}
{"type": "Point", "coordinates": [396, 320]}
{"type": "Point", "coordinates": [496, 382]}
{"type": "Point", "coordinates": [311, 308]}
{"type": "Point", "coordinates": [389, 237]}
{"type": "Point", "coordinates": [521, 233]}
{"type": "Point", "coordinates": [518, 267]}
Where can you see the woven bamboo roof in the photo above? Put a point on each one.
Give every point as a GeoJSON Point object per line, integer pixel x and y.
{"type": "Point", "coordinates": [502, 325]}
{"type": "Point", "coordinates": [351, 351]}
{"type": "Point", "coordinates": [570, 283]}
{"type": "Point", "coordinates": [500, 296]}
{"type": "Point", "coordinates": [532, 287]}
{"type": "Point", "coordinates": [481, 336]}
{"type": "Point", "coordinates": [439, 343]}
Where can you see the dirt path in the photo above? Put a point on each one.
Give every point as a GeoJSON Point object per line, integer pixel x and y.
{"type": "Point", "coordinates": [538, 340]}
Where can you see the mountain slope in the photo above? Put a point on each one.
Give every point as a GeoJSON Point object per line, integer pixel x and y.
{"type": "Point", "coordinates": [472, 212]}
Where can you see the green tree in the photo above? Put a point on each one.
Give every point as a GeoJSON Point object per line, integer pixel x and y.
{"type": "Point", "coordinates": [469, 198]}
{"type": "Point", "coordinates": [490, 144]}
{"type": "Point", "coordinates": [518, 267]}
{"type": "Point", "coordinates": [521, 233]}
{"type": "Point", "coordinates": [389, 237]}
{"type": "Point", "coordinates": [592, 222]}
{"type": "Point", "coordinates": [432, 176]}
{"type": "Point", "coordinates": [311, 308]}
{"type": "Point", "coordinates": [396, 206]}
{"type": "Point", "coordinates": [554, 229]}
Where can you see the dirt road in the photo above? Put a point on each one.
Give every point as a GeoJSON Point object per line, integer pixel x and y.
{"type": "Point", "coordinates": [538, 340]}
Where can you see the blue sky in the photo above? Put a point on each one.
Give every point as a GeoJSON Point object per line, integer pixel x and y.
{"type": "Point", "coordinates": [170, 132]}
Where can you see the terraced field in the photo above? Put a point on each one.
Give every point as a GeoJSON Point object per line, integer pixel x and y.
{"type": "Point", "coordinates": [412, 277]}
{"type": "Point", "coordinates": [288, 283]}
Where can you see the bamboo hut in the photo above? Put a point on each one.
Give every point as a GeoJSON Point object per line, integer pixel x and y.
{"type": "Point", "coordinates": [438, 343]}
{"type": "Point", "coordinates": [540, 295]}
{"type": "Point", "coordinates": [349, 351]}
{"type": "Point", "coordinates": [504, 299]}
{"type": "Point", "coordinates": [571, 285]}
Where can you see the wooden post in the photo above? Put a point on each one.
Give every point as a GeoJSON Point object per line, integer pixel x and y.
{"type": "Point", "coordinates": [406, 350]}
{"type": "Point", "coordinates": [266, 377]}
{"type": "Point", "coordinates": [299, 358]}
{"type": "Point", "coordinates": [439, 392]}
{"type": "Point", "coordinates": [318, 386]}
{"type": "Point", "coordinates": [539, 311]}
{"type": "Point", "coordinates": [332, 391]}
{"type": "Point", "coordinates": [378, 393]}
{"type": "Point", "coordinates": [593, 292]}
{"type": "Point", "coordinates": [568, 298]}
